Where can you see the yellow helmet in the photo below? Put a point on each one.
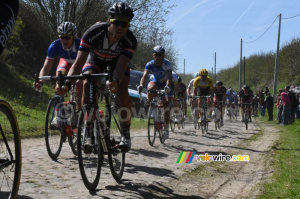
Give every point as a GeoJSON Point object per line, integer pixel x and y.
{"type": "Point", "coordinates": [203, 72]}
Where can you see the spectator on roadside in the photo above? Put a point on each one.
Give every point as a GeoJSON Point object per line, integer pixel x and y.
{"type": "Point", "coordinates": [269, 105]}
{"type": "Point", "coordinates": [262, 104]}
{"type": "Point", "coordinates": [279, 107]}
{"type": "Point", "coordinates": [293, 100]}
{"type": "Point", "coordinates": [267, 90]}
{"type": "Point", "coordinates": [286, 102]}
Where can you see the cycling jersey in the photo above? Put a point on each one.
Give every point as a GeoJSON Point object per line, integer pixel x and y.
{"type": "Point", "coordinates": [95, 42]}
{"type": "Point", "coordinates": [159, 73]}
{"type": "Point", "coordinates": [182, 90]}
{"type": "Point", "coordinates": [204, 87]}
{"type": "Point", "coordinates": [68, 55]}
{"type": "Point", "coordinates": [246, 96]}
{"type": "Point", "coordinates": [220, 93]}
{"type": "Point", "coordinates": [9, 11]}
{"type": "Point", "coordinates": [230, 97]}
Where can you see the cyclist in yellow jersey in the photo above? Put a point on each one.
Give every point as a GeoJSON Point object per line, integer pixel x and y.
{"type": "Point", "coordinates": [204, 86]}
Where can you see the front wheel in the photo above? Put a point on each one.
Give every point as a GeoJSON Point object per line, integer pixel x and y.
{"type": "Point", "coordinates": [54, 128]}
{"type": "Point", "coordinates": [152, 130]}
{"type": "Point", "coordinates": [90, 155]}
{"type": "Point", "coordinates": [10, 152]}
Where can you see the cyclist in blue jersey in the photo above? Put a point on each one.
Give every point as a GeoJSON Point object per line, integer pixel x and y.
{"type": "Point", "coordinates": [161, 69]}
{"type": "Point", "coordinates": [66, 48]}
{"type": "Point", "coordinates": [9, 11]}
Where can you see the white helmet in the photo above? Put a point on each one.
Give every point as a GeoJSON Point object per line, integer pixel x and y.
{"type": "Point", "coordinates": [197, 74]}
{"type": "Point", "coordinates": [67, 28]}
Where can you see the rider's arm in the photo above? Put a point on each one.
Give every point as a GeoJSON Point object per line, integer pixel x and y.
{"type": "Point", "coordinates": [169, 75]}
{"type": "Point", "coordinates": [46, 68]}
{"type": "Point", "coordinates": [120, 68]}
{"type": "Point", "coordinates": [78, 64]}
{"type": "Point", "coordinates": [144, 78]}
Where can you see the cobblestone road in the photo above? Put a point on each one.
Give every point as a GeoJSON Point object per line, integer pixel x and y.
{"type": "Point", "coordinates": [147, 172]}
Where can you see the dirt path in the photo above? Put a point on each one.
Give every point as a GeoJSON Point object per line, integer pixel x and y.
{"type": "Point", "coordinates": [152, 172]}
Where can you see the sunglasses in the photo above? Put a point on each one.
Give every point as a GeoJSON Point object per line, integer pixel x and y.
{"type": "Point", "coordinates": [117, 22]}
{"type": "Point", "coordinates": [157, 54]}
{"type": "Point", "coordinates": [65, 37]}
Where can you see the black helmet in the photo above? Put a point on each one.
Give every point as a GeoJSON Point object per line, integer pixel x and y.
{"type": "Point", "coordinates": [122, 9]}
{"type": "Point", "coordinates": [246, 87]}
{"type": "Point", "coordinates": [219, 83]}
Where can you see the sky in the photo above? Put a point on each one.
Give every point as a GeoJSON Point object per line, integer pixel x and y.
{"type": "Point", "coordinates": [203, 28]}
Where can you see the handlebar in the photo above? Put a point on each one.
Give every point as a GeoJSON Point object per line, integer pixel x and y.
{"type": "Point", "coordinates": [159, 92]}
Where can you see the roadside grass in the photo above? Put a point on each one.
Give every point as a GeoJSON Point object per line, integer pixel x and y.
{"type": "Point", "coordinates": [285, 182]}
{"type": "Point", "coordinates": [30, 106]}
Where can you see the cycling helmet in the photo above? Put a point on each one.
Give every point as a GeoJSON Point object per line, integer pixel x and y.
{"type": "Point", "coordinates": [203, 72]}
{"type": "Point", "coordinates": [197, 74]}
{"type": "Point", "coordinates": [67, 28]}
{"type": "Point", "coordinates": [158, 49]}
{"type": "Point", "coordinates": [219, 83]}
{"type": "Point", "coordinates": [246, 87]}
{"type": "Point", "coordinates": [122, 9]}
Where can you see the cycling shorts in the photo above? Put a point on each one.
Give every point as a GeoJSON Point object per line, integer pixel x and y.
{"type": "Point", "coordinates": [63, 65]}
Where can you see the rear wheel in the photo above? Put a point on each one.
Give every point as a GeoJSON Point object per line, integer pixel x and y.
{"type": "Point", "coordinates": [116, 155]}
{"type": "Point", "coordinates": [54, 134]}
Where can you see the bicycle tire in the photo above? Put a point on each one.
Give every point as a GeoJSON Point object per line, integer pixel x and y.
{"type": "Point", "coordinates": [10, 175]}
{"type": "Point", "coordinates": [246, 119]}
{"type": "Point", "coordinates": [172, 125]}
{"type": "Point", "coordinates": [73, 143]}
{"type": "Point", "coordinates": [116, 156]}
{"type": "Point", "coordinates": [151, 126]}
{"type": "Point", "coordinates": [196, 125]}
{"type": "Point", "coordinates": [90, 161]}
{"type": "Point", "coordinates": [53, 136]}
{"type": "Point", "coordinates": [160, 116]}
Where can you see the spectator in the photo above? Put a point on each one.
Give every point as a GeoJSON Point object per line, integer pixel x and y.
{"type": "Point", "coordinates": [262, 104]}
{"type": "Point", "coordinates": [267, 91]}
{"type": "Point", "coordinates": [279, 107]}
{"type": "Point", "coordinates": [270, 104]}
{"type": "Point", "coordinates": [286, 102]}
{"type": "Point", "coordinates": [293, 100]}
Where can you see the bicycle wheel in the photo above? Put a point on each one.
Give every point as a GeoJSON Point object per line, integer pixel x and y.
{"type": "Point", "coordinates": [90, 155]}
{"type": "Point", "coordinates": [152, 130]}
{"type": "Point", "coordinates": [246, 119]}
{"type": "Point", "coordinates": [172, 124]}
{"type": "Point", "coordinates": [195, 119]}
{"type": "Point", "coordinates": [116, 156]}
{"type": "Point", "coordinates": [160, 116]}
{"type": "Point", "coordinates": [10, 152]}
{"type": "Point", "coordinates": [73, 143]}
{"type": "Point", "coordinates": [54, 133]}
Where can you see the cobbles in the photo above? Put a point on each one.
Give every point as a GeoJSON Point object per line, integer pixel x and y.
{"type": "Point", "coordinates": [147, 171]}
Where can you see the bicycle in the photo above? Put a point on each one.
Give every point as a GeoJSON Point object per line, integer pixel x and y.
{"type": "Point", "coordinates": [246, 115]}
{"type": "Point", "coordinates": [200, 117]}
{"type": "Point", "coordinates": [60, 122]}
{"type": "Point", "coordinates": [98, 132]}
{"type": "Point", "coordinates": [218, 116]}
{"type": "Point", "coordinates": [231, 111]}
{"type": "Point", "coordinates": [177, 116]}
{"type": "Point", "coordinates": [10, 152]}
{"type": "Point", "coordinates": [156, 122]}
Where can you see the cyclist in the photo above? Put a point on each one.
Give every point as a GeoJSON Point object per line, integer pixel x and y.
{"type": "Point", "coordinates": [9, 12]}
{"type": "Point", "coordinates": [246, 96]}
{"type": "Point", "coordinates": [161, 69]}
{"type": "Point", "coordinates": [255, 102]}
{"type": "Point", "coordinates": [220, 96]}
{"type": "Point", "coordinates": [66, 48]}
{"type": "Point", "coordinates": [112, 44]}
{"type": "Point", "coordinates": [190, 91]}
{"type": "Point", "coordinates": [230, 100]}
{"type": "Point", "coordinates": [206, 87]}
{"type": "Point", "coordinates": [182, 94]}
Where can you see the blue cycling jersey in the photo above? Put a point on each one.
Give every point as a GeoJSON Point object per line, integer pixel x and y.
{"type": "Point", "coordinates": [159, 73]}
{"type": "Point", "coordinates": [56, 50]}
{"type": "Point", "coordinates": [230, 97]}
